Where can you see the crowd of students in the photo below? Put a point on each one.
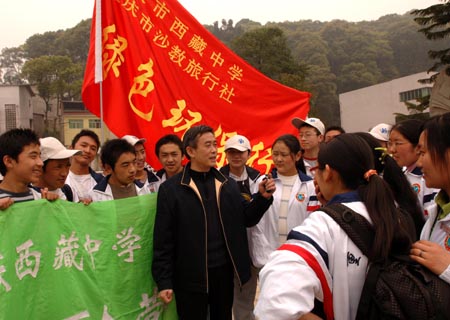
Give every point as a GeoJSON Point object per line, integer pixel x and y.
{"type": "Point", "coordinates": [34, 168]}
{"type": "Point", "coordinates": [219, 231]}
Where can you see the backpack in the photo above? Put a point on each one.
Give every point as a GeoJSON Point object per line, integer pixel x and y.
{"type": "Point", "coordinates": [397, 288]}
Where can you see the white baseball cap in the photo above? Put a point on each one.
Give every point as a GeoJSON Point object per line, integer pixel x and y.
{"type": "Point", "coordinates": [238, 142]}
{"type": "Point", "coordinates": [133, 140]}
{"type": "Point", "coordinates": [52, 148]}
{"type": "Point", "coordinates": [313, 122]}
{"type": "Point", "coordinates": [381, 131]}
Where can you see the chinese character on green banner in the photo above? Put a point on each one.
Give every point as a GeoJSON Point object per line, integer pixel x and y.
{"type": "Point", "coordinates": [62, 260]}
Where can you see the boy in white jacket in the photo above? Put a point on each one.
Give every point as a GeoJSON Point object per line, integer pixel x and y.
{"type": "Point", "coordinates": [118, 157]}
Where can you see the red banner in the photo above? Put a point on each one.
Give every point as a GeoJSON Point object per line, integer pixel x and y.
{"type": "Point", "coordinates": [163, 72]}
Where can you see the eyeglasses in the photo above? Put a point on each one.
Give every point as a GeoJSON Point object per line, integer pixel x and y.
{"type": "Point", "coordinates": [396, 143]}
{"type": "Point", "coordinates": [307, 135]}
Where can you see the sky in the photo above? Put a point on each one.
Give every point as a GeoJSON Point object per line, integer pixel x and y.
{"type": "Point", "coordinates": [21, 19]}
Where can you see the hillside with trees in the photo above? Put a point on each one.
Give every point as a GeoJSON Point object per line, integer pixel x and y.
{"type": "Point", "coordinates": [324, 58]}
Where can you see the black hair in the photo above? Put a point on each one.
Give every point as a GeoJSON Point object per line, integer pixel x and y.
{"type": "Point", "coordinates": [12, 143]}
{"type": "Point", "coordinates": [352, 158]}
{"type": "Point", "coordinates": [410, 129]}
{"type": "Point", "coordinates": [437, 135]}
{"type": "Point", "coordinates": [404, 196]}
{"type": "Point", "coordinates": [191, 136]}
{"type": "Point", "coordinates": [336, 128]}
{"type": "Point", "coordinates": [113, 149]}
{"type": "Point", "coordinates": [83, 133]}
{"type": "Point", "coordinates": [290, 141]}
{"type": "Point", "coordinates": [169, 138]}
{"type": "Point", "coordinates": [294, 147]}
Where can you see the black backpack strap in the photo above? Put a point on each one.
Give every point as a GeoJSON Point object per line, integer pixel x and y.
{"type": "Point", "coordinates": [356, 226]}
{"type": "Point", "coordinates": [361, 232]}
{"type": "Point", "coordinates": [67, 190]}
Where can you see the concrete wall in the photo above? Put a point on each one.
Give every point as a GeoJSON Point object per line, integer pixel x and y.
{"type": "Point", "coordinates": [364, 108]}
{"type": "Point", "coordinates": [21, 96]}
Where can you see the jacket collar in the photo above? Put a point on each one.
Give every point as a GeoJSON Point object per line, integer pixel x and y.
{"type": "Point", "coordinates": [186, 177]}
{"type": "Point", "coordinates": [151, 176]}
{"type": "Point", "coordinates": [103, 184]}
{"type": "Point", "coordinates": [253, 174]}
{"type": "Point", "coordinates": [303, 177]}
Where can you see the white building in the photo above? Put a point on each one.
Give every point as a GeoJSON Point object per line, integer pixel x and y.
{"type": "Point", "coordinates": [20, 107]}
{"type": "Point", "coordinates": [16, 108]}
{"type": "Point", "coordinates": [364, 108]}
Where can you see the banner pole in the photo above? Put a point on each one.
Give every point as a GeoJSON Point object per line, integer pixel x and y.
{"type": "Point", "coordinates": [98, 62]}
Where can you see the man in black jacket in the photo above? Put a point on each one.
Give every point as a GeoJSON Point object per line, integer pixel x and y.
{"type": "Point", "coordinates": [200, 237]}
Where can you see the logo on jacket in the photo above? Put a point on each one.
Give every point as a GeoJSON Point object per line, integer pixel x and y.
{"type": "Point", "coordinates": [447, 242]}
{"type": "Point", "coordinates": [301, 197]}
{"type": "Point", "coordinates": [416, 188]}
{"type": "Point", "coordinates": [351, 259]}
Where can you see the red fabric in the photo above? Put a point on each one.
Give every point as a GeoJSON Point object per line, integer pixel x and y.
{"type": "Point", "coordinates": [163, 72]}
{"type": "Point", "coordinates": [312, 262]}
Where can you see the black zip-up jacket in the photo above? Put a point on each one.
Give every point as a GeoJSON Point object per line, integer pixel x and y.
{"type": "Point", "coordinates": [180, 235]}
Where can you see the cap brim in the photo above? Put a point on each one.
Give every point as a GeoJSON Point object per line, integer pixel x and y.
{"type": "Point", "coordinates": [64, 154]}
{"type": "Point", "coordinates": [240, 148]}
{"type": "Point", "coordinates": [297, 122]}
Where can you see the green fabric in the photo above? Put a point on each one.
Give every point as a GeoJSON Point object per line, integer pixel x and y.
{"type": "Point", "coordinates": [75, 277]}
{"type": "Point", "coordinates": [443, 202]}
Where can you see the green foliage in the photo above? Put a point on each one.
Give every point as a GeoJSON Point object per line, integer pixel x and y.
{"type": "Point", "coordinates": [266, 49]}
{"type": "Point", "coordinates": [54, 76]}
{"type": "Point", "coordinates": [416, 110]}
{"type": "Point", "coordinates": [73, 43]}
{"type": "Point", "coordinates": [11, 62]}
{"type": "Point", "coordinates": [435, 22]}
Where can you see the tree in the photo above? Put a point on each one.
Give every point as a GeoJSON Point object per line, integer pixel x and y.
{"type": "Point", "coordinates": [42, 44]}
{"type": "Point", "coordinates": [11, 62]}
{"type": "Point", "coordinates": [54, 77]}
{"type": "Point", "coordinates": [416, 110]}
{"type": "Point", "coordinates": [266, 49]}
{"type": "Point", "coordinates": [436, 25]}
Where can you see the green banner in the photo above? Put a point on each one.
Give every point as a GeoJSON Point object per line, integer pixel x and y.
{"type": "Point", "coordinates": [62, 260]}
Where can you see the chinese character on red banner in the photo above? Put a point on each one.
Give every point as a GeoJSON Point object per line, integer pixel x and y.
{"type": "Point", "coordinates": [163, 72]}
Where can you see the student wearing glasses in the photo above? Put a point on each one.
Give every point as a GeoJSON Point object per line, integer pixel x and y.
{"type": "Point", "coordinates": [310, 134]}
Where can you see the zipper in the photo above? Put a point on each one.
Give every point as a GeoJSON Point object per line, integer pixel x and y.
{"type": "Point", "coordinates": [225, 236]}
{"type": "Point", "coordinates": [206, 235]}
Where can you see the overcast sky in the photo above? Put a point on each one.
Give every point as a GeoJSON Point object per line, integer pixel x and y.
{"type": "Point", "coordinates": [21, 19]}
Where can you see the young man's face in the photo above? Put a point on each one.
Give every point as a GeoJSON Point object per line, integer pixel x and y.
{"type": "Point", "coordinates": [140, 156]}
{"type": "Point", "coordinates": [309, 138]}
{"type": "Point", "coordinates": [55, 173]}
{"type": "Point", "coordinates": [170, 157]}
{"type": "Point", "coordinates": [330, 135]}
{"type": "Point", "coordinates": [237, 159]}
{"type": "Point", "coordinates": [124, 171]}
{"type": "Point", "coordinates": [204, 156]}
{"type": "Point", "coordinates": [28, 167]}
{"type": "Point", "coordinates": [89, 149]}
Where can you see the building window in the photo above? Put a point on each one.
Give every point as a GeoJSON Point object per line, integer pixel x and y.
{"type": "Point", "coordinates": [76, 124]}
{"type": "Point", "coordinates": [94, 124]}
{"type": "Point", "coordinates": [414, 94]}
{"type": "Point", "coordinates": [10, 116]}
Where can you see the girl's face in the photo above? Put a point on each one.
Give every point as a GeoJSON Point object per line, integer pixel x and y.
{"type": "Point", "coordinates": [436, 175]}
{"type": "Point", "coordinates": [403, 152]}
{"type": "Point", "coordinates": [284, 160]}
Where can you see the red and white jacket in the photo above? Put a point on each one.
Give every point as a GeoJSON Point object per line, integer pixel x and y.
{"type": "Point", "coordinates": [289, 285]}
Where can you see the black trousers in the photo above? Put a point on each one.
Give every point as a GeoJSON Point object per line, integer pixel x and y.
{"type": "Point", "coordinates": [218, 301]}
